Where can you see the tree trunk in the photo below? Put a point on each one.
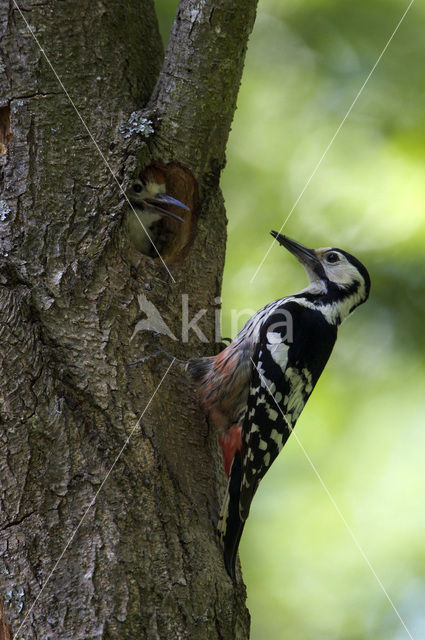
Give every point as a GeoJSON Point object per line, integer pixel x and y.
{"type": "Point", "coordinates": [111, 480]}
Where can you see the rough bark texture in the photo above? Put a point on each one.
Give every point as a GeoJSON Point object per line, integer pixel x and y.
{"type": "Point", "coordinates": [5, 632]}
{"type": "Point", "coordinates": [144, 562]}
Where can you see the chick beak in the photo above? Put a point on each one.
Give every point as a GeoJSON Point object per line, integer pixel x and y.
{"type": "Point", "coordinates": [160, 199]}
{"type": "Point", "coordinates": [307, 257]}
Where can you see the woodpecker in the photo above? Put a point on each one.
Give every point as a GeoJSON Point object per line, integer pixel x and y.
{"type": "Point", "coordinates": [256, 388]}
{"type": "Point", "coordinates": [148, 197]}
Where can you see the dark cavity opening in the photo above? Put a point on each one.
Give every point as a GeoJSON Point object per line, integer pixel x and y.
{"type": "Point", "coordinates": [5, 130]}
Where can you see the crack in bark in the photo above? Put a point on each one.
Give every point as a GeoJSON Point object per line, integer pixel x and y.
{"type": "Point", "coordinates": [17, 522]}
{"type": "Point", "coordinates": [38, 94]}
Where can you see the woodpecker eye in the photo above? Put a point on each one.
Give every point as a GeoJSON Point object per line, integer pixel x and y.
{"type": "Point", "coordinates": [137, 187]}
{"type": "Point", "coordinates": [332, 257]}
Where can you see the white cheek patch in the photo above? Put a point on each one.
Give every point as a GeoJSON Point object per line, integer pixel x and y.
{"type": "Point", "coordinates": [278, 349]}
{"type": "Point", "coordinates": [343, 273]}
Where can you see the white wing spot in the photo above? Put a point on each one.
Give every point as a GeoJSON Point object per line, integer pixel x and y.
{"type": "Point", "coordinates": [296, 397]}
{"type": "Point", "coordinates": [308, 377]}
{"type": "Point", "coordinates": [277, 437]}
{"type": "Point", "coordinates": [272, 414]}
{"type": "Point", "coordinates": [278, 349]}
{"type": "Point", "coordinates": [270, 386]}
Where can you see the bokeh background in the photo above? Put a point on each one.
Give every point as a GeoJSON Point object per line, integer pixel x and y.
{"type": "Point", "coordinates": [364, 427]}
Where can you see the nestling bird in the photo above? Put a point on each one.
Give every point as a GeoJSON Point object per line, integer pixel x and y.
{"type": "Point", "coordinates": [148, 197]}
{"type": "Point", "coordinates": [256, 388]}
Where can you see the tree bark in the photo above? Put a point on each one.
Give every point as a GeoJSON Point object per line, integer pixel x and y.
{"type": "Point", "coordinates": [5, 632]}
{"type": "Point", "coordinates": [111, 486]}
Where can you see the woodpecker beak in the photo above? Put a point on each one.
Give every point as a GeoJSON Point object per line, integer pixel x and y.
{"type": "Point", "coordinates": [307, 257]}
{"type": "Point", "coordinates": [163, 199]}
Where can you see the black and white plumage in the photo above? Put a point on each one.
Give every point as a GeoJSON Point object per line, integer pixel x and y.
{"type": "Point", "coordinates": [149, 200]}
{"type": "Point", "coordinates": [257, 387]}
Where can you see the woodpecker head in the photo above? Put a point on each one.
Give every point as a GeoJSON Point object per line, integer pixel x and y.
{"type": "Point", "coordinates": [149, 194]}
{"type": "Point", "coordinates": [333, 272]}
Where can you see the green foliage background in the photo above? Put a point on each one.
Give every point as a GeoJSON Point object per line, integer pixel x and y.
{"type": "Point", "coordinates": [363, 429]}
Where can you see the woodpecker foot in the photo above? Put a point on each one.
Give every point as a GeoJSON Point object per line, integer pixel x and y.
{"type": "Point", "coordinates": [148, 357]}
{"type": "Point", "coordinates": [156, 353]}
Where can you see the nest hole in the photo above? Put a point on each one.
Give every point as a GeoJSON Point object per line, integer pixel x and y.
{"type": "Point", "coordinates": [5, 130]}
{"type": "Point", "coordinates": [175, 238]}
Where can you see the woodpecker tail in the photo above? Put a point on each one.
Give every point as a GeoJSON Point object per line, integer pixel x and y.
{"type": "Point", "coordinates": [198, 368]}
{"type": "Point", "coordinates": [230, 524]}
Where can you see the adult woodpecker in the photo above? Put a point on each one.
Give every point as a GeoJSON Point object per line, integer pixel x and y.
{"type": "Point", "coordinates": [256, 388]}
{"type": "Point", "coordinates": [148, 197]}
